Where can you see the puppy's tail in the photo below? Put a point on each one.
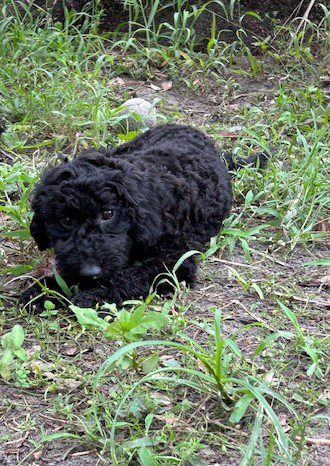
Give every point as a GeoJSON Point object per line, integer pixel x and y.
{"type": "Point", "coordinates": [259, 160]}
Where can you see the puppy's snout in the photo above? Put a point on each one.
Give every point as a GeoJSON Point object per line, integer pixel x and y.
{"type": "Point", "coordinates": [89, 270]}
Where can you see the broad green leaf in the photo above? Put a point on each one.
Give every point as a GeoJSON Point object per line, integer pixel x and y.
{"type": "Point", "coordinates": [58, 435]}
{"type": "Point", "coordinates": [22, 234]}
{"type": "Point", "coordinates": [18, 336]}
{"type": "Point", "coordinates": [18, 269]}
{"type": "Point", "coordinates": [49, 306]}
{"type": "Point", "coordinates": [127, 136]}
{"type": "Point", "coordinates": [139, 442]}
{"type": "Point", "coordinates": [152, 321]}
{"type": "Point", "coordinates": [249, 198]}
{"type": "Point", "coordinates": [311, 369]}
{"type": "Point", "coordinates": [233, 346]}
{"type": "Point", "coordinates": [136, 317]}
{"type": "Point", "coordinates": [145, 457]}
{"type": "Point", "coordinates": [183, 258]}
{"type": "Point", "coordinates": [4, 371]}
{"type": "Point", "coordinates": [88, 317]}
{"type": "Point", "coordinates": [150, 363]}
{"type": "Point", "coordinates": [240, 408]}
{"type": "Point", "coordinates": [246, 249]}
{"type": "Point", "coordinates": [266, 342]}
{"type": "Point", "coordinates": [148, 421]}
{"type": "Point", "coordinates": [257, 288]}
{"type": "Point", "coordinates": [61, 283]}
{"type": "Point", "coordinates": [114, 331]}
{"type": "Point", "coordinates": [6, 341]}
{"type": "Point", "coordinates": [7, 357]}
{"type": "Point", "coordinates": [325, 262]}
{"type": "Point", "coordinates": [292, 317]}
{"type": "Point", "coordinates": [20, 354]}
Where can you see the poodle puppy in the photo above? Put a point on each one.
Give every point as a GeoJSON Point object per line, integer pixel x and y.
{"type": "Point", "coordinates": [117, 217]}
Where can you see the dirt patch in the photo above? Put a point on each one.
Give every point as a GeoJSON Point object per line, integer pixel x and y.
{"type": "Point", "coordinates": [115, 17]}
{"type": "Point", "coordinates": [30, 411]}
{"type": "Point", "coordinates": [211, 103]}
{"type": "Point", "coordinates": [27, 415]}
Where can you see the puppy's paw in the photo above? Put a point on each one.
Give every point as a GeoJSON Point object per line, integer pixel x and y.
{"type": "Point", "coordinates": [85, 299]}
{"type": "Point", "coordinates": [33, 299]}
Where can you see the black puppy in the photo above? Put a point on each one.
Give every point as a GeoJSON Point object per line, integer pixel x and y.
{"type": "Point", "coordinates": [115, 218]}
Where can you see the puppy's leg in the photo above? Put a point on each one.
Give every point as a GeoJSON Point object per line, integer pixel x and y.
{"type": "Point", "coordinates": [134, 282]}
{"type": "Point", "coordinates": [123, 284]}
{"type": "Point", "coordinates": [34, 297]}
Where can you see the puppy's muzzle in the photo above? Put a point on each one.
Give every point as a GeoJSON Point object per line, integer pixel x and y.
{"type": "Point", "coordinates": [90, 270]}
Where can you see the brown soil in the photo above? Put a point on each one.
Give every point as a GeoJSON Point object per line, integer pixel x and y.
{"type": "Point", "coordinates": [216, 287]}
{"type": "Point", "coordinates": [115, 17]}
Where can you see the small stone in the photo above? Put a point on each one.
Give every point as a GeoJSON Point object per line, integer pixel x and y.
{"type": "Point", "coordinates": [142, 108]}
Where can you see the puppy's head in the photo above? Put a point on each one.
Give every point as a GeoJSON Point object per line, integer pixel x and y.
{"type": "Point", "coordinates": [92, 211]}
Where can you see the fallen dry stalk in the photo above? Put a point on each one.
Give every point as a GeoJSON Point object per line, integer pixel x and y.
{"type": "Point", "coordinates": [315, 441]}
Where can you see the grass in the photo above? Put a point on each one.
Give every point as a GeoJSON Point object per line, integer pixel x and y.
{"type": "Point", "coordinates": [235, 370]}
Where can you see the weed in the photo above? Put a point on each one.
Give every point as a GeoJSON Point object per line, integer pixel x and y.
{"type": "Point", "coordinates": [13, 354]}
{"type": "Point", "coordinates": [234, 394]}
{"type": "Point", "coordinates": [305, 343]}
{"type": "Point", "coordinates": [183, 382]}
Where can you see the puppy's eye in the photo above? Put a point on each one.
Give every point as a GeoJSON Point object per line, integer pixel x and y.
{"type": "Point", "coordinates": [66, 221]}
{"type": "Point", "coordinates": [107, 214]}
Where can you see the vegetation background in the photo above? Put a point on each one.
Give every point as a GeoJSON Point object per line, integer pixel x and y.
{"type": "Point", "coordinates": [234, 371]}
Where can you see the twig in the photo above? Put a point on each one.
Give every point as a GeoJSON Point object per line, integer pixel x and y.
{"type": "Point", "coordinates": [199, 407]}
{"type": "Point", "coordinates": [306, 14]}
{"type": "Point", "coordinates": [314, 441]}
{"type": "Point", "coordinates": [237, 431]}
{"type": "Point", "coordinates": [10, 157]}
{"type": "Point", "coordinates": [49, 418]}
{"type": "Point", "coordinates": [317, 302]}
{"type": "Point", "coordinates": [223, 261]}
{"type": "Point", "coordinates": [20, 440]}
{"type": "Point", "coordinates": [267, 256]}
{"type": "Point", "coordinates": [295, 11]}
{"type": "Point", "coordinates": [81, 453]}
{"type": "Point", "coordinates": [256, 318]}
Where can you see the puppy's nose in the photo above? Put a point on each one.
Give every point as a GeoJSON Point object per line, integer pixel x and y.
{"type": "Point", "coordinates": [88, 270]}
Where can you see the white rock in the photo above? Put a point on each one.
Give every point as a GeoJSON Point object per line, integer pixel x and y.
{"type": "Point", "coordinates": [141, 107]}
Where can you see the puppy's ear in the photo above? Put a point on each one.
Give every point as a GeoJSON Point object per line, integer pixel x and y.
{"type": "Point", "coordinates": [147, 222]}
{"type": "Point", "coordinates": [38, 231]}
{"type": "Point", "coordinates": [92, 157]}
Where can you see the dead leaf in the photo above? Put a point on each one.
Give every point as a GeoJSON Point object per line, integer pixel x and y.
{"type": "Point", "coordinates": [42, 369]}
{"type": "Point", "coordinates": [49, 375]}
{"type": "Point", "coordinates": [37, 455]}
{"type": "Point", "coordinates": [325, 281]}
{"type": "Point", "coordinates": [161, 399]}
{"type": "Point", "coordinates": [228, 134]}
{"type": "Point", "coordinates": [154, 87]}
{"type": "Point", "coordinates": [33, 350]}
{"type": "Point", "coordinates": [283, 418]}
{"type": "Point", "coordinates": [323, 225]}
{"type": "Point", "coordinates": [70, 384]}
{"type": "Point", "coordinates": [168, 419]}
{"type": "Point", "coordinates": [319, 281]}
{"type": "Point", "coordinates": [70, 351]}
{"type": "Point", "coordinates": [117, 82]}
{"type": "Point", "coordinates": [45, 269]}
{"type": "Point", "coordinates": [11, 451]}
{"type": "Point", "coordinates": [167, 85]}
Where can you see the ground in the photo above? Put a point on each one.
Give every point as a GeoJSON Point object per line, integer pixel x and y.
{"type": "Point", "coordinates": [273, 303]}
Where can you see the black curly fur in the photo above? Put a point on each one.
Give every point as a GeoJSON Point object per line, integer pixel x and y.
{"type": "Point", "coordinates": [169, 191]}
